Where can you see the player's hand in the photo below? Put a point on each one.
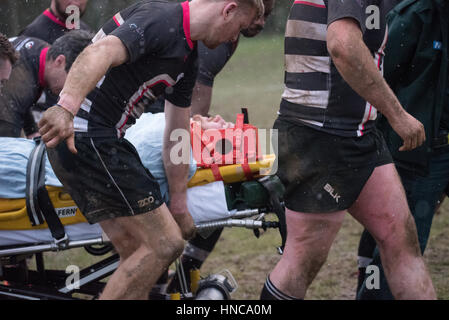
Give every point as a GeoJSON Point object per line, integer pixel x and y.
{"type": "Point", "coordinates": [410, 130]}
{"type": "Point", "coordinates": [56, 126]}
{"type": "Point", "coordinates": [179, 211]}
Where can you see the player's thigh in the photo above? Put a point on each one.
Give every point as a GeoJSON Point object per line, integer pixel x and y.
{"type": "Point", "coordinates": [382, 205]}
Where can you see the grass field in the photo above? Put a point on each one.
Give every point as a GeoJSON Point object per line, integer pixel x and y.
{"type": "Point", "coordinates": [254, 79]}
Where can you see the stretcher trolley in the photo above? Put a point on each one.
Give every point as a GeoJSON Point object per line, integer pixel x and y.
{"type": "Point", "coordinates": [47, 220]}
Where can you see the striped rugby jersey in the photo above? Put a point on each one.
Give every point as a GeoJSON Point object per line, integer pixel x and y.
{"type": "Point", "coordinates": [315, 93]}
{"type": "Point", "coordinates": [162, 60]}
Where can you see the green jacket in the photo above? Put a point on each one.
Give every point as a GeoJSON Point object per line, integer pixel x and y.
{"type": "Point", "coordinates": [416, 68]}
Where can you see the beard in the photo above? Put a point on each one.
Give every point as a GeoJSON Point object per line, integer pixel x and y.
{"type": "Point", "coordinates": [60, 10]}
{"type": "Point", "coordinates": [251, 31]}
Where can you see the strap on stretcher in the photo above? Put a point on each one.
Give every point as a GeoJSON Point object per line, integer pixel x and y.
{"type": "Point", "coordinates": [39, 206]}
{"type": "Point", "coordinates": [215, 169]}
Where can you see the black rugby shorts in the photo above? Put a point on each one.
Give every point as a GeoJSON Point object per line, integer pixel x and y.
{"type": "Point", "coordinates": [106, 179]}
{"type": "Point", "coordinates": [322, 172]}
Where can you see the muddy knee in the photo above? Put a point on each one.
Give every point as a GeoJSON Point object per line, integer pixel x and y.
{"type": "Point", "coordinates": [399, 233]}
{"type": "Point", "coordinates": [312, 266]}
{"type": "Point", "coordinates": [170, 247]}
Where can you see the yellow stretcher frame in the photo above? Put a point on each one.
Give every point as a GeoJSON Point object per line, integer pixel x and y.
{"type": "Point", "coordinates": [232, 173]}
{"type": "Point", "coordinates": [13, 213]}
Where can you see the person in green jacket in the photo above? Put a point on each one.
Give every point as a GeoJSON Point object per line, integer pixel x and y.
{"type": "Point", "coordinates": [416, 68]}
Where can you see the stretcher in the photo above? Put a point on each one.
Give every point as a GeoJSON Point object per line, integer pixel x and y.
{"type": "Point", "coordinates": [27, 231]}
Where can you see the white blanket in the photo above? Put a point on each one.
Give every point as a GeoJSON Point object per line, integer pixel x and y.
{"type": "Point", "coordinates": [14, 154]}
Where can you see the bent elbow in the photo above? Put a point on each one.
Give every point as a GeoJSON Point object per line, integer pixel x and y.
{"type": "Point", "coordinates": [340, 48]}
{"type": "Point", "coordinates": [343, 39]}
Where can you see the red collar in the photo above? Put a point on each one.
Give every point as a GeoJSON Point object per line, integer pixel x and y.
{"type": "Point", "coordinates": [53, 18]}
{"type": "Point", "coordinates": [42, 61]}
{"type": "Point", "coordinates": [186, 22]}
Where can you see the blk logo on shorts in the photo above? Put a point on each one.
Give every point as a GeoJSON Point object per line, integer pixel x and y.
{"type": "Point", "coordinates": [332, 192]}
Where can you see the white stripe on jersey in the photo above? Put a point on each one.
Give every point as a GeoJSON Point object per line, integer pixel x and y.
{"type": "Point", "coordinates": [86, 105]}
{"type": "Point", "coordinates": [315, 123]}
{"type": "Point", "coordinates": [101, 82]}
{"type": "Point", "coordinates": [309, 98]}
{"type": "Point", "coordinates": [80, 124]}
{"type": "Point", "coordinates": [119, 18]}
{"type": "Point", "coordinates": [306, 29]}
{"type": "Point", "coordinates": [368, 108]}
{"type": "Point", "coordinates": [100, 35]}
{"type": "Point", "coordinates": [300, 63]}
{"type": "Point", "coordinates": [132, 108]}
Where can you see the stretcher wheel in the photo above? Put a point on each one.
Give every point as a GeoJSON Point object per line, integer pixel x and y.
{"type": "Point", "coordinates": [99, 250]}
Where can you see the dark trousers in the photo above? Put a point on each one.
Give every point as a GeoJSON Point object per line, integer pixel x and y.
{"type": "Point", "coordinates": [423, 196]}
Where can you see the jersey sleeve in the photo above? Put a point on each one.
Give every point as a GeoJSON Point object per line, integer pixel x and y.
{"type": "Point", "coordinates": [347, 9]}
{"type": "Point", "coordinates": [142, 34]}
{"type": "Point", "coordinates": [17, 98]}
{"type": "Point", "coordinates": [181, 93]}
{"type": "Point", "coordinates": [212, 61]}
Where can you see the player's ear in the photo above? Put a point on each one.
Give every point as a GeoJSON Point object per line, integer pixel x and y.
{"type": "Point", "coordinates": [60, 61]}
{"type": "Point", "coordinates": [229, 10]}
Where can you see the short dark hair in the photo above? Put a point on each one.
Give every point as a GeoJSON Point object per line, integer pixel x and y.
{"type": "Point", "coordinates": [7, 50]}
{"type": "Point", "coordinates": [70, 45]}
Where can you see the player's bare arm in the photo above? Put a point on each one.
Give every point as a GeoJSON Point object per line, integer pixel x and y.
{"type": "Point", "coordinates": [177, 174]}
{"type": "Point", "coordinates": [56, 124]}
{"type": "Point", "coordinates": [201, 99]}
{"type": "Point", "coordinates": [355, 64]}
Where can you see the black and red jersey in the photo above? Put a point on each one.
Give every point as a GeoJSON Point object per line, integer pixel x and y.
{"type": "Point", "coordinates": [49, 27]}
{"type": "Point", "coordinates": [23, 88]}
{"type": "Point", "coordinates": [210, 63]}
{"type": "Point", "coordinates": [162, 60]}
